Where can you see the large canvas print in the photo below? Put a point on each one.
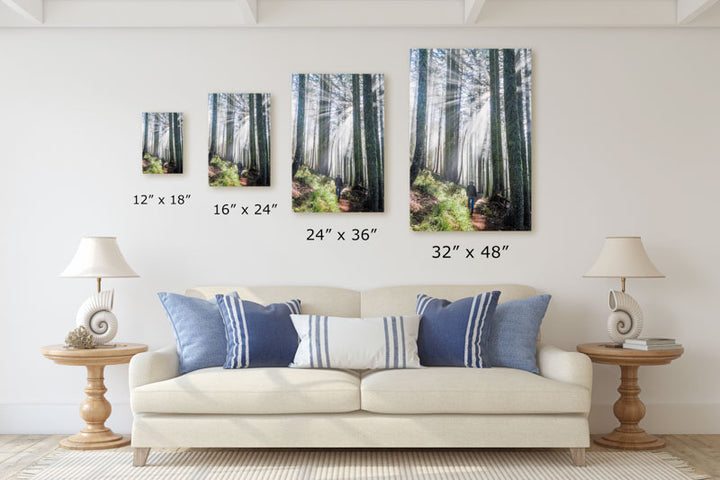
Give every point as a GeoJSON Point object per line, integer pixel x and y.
{"type": "Point", "coordinates": [338, 142]}
{"type": "Point", "coordinates": [239, 139]}
{"type": "Point", "coordinates": [470, 143]}
{"type": "Point", "coordinates": [162, 142]}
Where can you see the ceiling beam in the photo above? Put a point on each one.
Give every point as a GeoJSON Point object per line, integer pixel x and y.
{"type": "Point", "coordinates": [472, 10]}
{"type": "Point", "coordinates": [689, 10]}
{"type": "Point", "coordinates": [29, 9]}
{"type": "Point", "coordinates": [249, 8]}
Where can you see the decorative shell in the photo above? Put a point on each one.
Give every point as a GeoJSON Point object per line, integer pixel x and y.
{"type": "Point", "coordinates": [95, 314]}
{"type": "Point", "coordinates": [626, 319]}
{"type": "Point", "coordinates": [80, 338]}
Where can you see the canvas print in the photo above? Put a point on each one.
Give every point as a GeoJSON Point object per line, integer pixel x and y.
{"type": "Point", "coordinates": [162, 147]}
{"type": "Point", "coordinates": [470, 145]}
{"type": "Point", "coordinates": [239, 139]}
{"type": "Point", "coordinates": [338, 142]}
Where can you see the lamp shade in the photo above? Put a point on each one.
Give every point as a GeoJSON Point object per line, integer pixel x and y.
{"type": "Point", "coordinates": [623, 257]}
{"type": "Point", "coordinates": [98, 257]}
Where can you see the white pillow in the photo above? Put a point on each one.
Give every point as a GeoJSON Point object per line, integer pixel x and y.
{"type": "Point", "coordinates": [356, 343]}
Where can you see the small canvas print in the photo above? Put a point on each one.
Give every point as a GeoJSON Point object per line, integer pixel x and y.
{"type": "Point", "coordinates": [470, 143]}
{"type": "Point", "coordinates": [338, 142]}
{"type": "Point", "coordinates": [162, 148]}
{"type": "Point", "coordinates": [239, 140]}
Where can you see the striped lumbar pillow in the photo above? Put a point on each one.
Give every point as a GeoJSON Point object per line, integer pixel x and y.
{"type": "Point", "coordinates": [357, 343]}
{"type": "Point", "coordinates": [257, 335]}
{"type": "Point", "coordinates": [454, 334]}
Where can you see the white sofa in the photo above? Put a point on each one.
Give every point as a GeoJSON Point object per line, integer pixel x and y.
{"type": "Point", "coordinates": [434, 407]}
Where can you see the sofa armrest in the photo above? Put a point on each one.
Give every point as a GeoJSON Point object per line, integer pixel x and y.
{"type": "Point", "coordinates": [151, 367]}
{"type": "Point", "coordinates": [569, 367]}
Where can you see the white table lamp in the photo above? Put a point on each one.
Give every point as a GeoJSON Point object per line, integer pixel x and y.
{"type": "Point", "coordinates": [98, 257]}
{"type": "Point", "coordinates": [623, 257]}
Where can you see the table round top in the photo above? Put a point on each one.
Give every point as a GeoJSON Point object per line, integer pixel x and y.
{"type": "Point", "coordinates": [613, 354]}
{"type": "Point", "coordinates": [112, 354]}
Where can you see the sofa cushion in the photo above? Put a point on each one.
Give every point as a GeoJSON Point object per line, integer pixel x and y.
{"type": "Point", "coordinates": [251, 391]}
{"type": "Point", "coordinates": [358, 343]}
{"type": "Point", "coordinates": [257, 335]}
{"type": "Point", "coordinates": [454, 334]}
{"type": "Point", "coordinates": [198, 329]}
{"type": "Point", "coordinates": [469, 390]}
{"type": "Point", "coordinates": [513, 333]}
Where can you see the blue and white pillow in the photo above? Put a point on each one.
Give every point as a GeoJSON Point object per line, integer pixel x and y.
{"type": "Point", "coordinates": [356, 343]}
{"type": "Point", "coordinates": [257, 335]}
{"type": "Point", "coordinates": [454, 334]}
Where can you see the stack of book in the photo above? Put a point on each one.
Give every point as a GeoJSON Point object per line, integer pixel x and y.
{"type": "Point", "coordinates": [651, 344]}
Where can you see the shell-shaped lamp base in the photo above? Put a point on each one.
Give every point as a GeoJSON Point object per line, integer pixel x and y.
{"type": "Point", "coordinates": [96, 315]}
{"type": "Point", "coordinates": [626, 319]}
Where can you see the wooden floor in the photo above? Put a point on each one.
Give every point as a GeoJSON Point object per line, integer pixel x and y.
{"type": "Point", "coordinates": [20, 451]}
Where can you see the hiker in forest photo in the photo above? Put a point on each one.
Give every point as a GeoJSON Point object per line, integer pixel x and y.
{"type": "Point", "coordinates": [338, 186]}
{"type": "Point", "coordinates": [472, 196]}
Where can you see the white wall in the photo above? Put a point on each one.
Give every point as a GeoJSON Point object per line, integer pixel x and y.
{"type": "Point", "coordinates": [625, 142]}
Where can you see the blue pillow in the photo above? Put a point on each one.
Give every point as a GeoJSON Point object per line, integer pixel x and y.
{"type": "Point", "coordinates": [198, 328]}
{"type": "Point", "coordinates": [258, 336]}
{"type": "Point", "coordinates": [454, 334]}
{"type": "Point", "coordinates": [513, 333]}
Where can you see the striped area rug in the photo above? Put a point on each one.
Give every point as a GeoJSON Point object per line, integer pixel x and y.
{"type": "Point", "coordinates": [357, 464]}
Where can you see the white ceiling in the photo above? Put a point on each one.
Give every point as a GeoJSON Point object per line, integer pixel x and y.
{"type": "Point", "coordinates": [357, 13]}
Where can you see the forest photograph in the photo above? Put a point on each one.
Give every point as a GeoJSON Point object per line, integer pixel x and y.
{"type": "Point", "coordinates": [338, 142]}
{"type": "Point", "coordinates": [239, 139]}
{"type": "Point", "coordinates": [162, 143]}
{"type": "Point", "coordinates": [470, 143]}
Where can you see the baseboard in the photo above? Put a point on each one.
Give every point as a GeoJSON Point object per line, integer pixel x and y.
{"type": "Point", "coordinates": [668, 418]}
{"type": "Point", "coordinates": [64, 419]}
{"type": "Point", "coordinates": [38, 418]}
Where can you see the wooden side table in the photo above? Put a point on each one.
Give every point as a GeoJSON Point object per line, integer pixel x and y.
{"type": "Point", "coordinates": [629, 410]}
{"type": "Point", "coordinates": [95, 409]}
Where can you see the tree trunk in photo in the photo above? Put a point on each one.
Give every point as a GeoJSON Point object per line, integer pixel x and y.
{"type": "Point", "coordinates": [357, 138]}
{"type": "Point", "coordinates": [420, 153]}
{"type": "Point", "coordinates": [266, 134]}
{"type": "Point", "coordinates": [145, 134]}
{"type": "Point", "coordinates": [263, 150]}
{"type": "Point", "coordinates": [299, 155]}
{"type": "Point", "coordinates": [316, 141]}
{"type": "Point", "coordinates": [156, 135]}
{"type": "Point", "coordinates": [171, 141]}
{"type": "Point", "coordinates": [452, 118]}
{"type": "Point", "coordinates": [527, 94]}
{"type": "Point", "coordinates": [380, 109]}
{"type": "Point", "coordinates": [324, 125]}
{"type": "Point", "coordinates": [229, 129]}
{"type": "Point", "coordinates": [513, 132]}
{"type": "Point", "coordinates": [252, 134]}
{"type": "Point", "coordinates": [520, 100]}
{"type": "Point", "coordinates": [178, 143]}
{"type": "Point", "coordinates": [497, 181]}
{"type": "Point", "coordinates": [372, 144]}
{"type": "Point", "coordinates": [212, 151]}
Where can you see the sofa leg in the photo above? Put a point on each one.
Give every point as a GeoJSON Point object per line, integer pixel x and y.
{"type": "Point", "coordinates": [140, 456]}
{"type": "Point", "coordinates": [578, 456]}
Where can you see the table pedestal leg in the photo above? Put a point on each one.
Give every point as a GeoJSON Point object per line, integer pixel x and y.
{"type": "Point", "coordinates": [95, 409]}
{"type": "Point", "coordinates": [629, 410]}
